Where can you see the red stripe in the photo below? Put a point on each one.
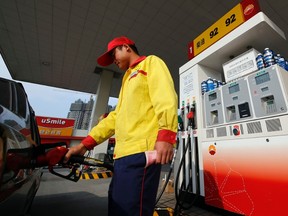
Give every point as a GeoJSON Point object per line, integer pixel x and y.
{"type": "Point", "coordinates": [142, 72]}
{"type": "Point", "coordinates": [142, 190]}
{"type": "Point", "coordinates": [133, 76]}
{"type": "Point", "coordinates": [139, 71]}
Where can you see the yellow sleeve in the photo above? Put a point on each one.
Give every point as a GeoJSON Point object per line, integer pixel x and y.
{"type": "Point", "coordinates": [102, 131]}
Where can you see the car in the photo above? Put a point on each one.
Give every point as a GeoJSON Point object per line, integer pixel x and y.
{"type": "Point", "coordinates": [19, 135]}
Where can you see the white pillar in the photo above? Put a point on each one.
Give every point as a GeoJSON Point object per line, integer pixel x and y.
{"type": "Point", "coordinates": [102, 97]}
{"type": "Point", "coordinates": [101, 105]}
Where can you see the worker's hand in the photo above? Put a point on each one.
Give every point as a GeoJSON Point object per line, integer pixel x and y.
{"type": "Point", "coordinates": [75, 150]}
{"type": "Point", "coordinates": [164, 152]}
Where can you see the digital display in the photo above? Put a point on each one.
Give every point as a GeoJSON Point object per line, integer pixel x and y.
{"type": "Point", "coordinates": [262, 78]}
{"type": "Point", "coordinates": [234, 88]}
{"type": "Point", "coordinates": [212, 96]}
{"type": "Point", "coordinates": [270, 102]}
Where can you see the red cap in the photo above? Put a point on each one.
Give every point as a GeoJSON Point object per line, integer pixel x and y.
{"type": "Point", "coordinates": [106, 59]}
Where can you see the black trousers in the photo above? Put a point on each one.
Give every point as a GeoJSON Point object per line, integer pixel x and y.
{"type": "Point", "coordinates": [133, 188]}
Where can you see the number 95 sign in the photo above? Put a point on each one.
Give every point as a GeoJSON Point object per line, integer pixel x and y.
{"type": "Point", "coordinates": [231, 20]}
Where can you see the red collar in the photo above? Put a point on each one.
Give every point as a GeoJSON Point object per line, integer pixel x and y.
{"type": "Point", "coordinates": [141, 58]}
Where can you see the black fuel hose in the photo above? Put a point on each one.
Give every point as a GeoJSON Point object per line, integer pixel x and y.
{"type": "Point", "coordinates": [168, 177]}
{"type": "Point", "coordinates": [177, 196]}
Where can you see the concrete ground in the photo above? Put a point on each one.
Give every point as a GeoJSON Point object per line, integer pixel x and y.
{"type": "Point", "coordinates": [57, 196]}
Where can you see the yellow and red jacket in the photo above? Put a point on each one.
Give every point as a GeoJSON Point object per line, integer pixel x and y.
{"type": "Point", "coordinates": [146, 111]}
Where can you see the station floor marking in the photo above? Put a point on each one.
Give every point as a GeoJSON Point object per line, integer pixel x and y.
{"type": "Point", "coordinates": [94, 175]}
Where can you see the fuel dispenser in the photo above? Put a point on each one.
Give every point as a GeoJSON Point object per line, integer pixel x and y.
{"type": "Point", "coordinates": [268, 88]}
{"type": "Point", "coordinates": [189, 178]}
{"type": "Point", "coordinates": [238, 101]}
{"type": "Point", "coordinates": [234, 156]}
{"type": "Point", "coordinates": [213, 106]}
{"type": "Point", "coordinates": [246, 167]}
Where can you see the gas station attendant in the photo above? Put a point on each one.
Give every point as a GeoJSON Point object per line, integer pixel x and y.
{"type": "Point", "coordinates": [145, 119]}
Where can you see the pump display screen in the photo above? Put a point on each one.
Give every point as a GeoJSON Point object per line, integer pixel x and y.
{"type": "Point", "coordinates": [262, 78]}
{"type": "Point", "coordinates": [234, 88]}
{"type": "Point", "coordinates": [212, 96]}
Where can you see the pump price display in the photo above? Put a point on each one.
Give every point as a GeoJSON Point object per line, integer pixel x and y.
{"type": "Point", "coordinates": [231, 20]}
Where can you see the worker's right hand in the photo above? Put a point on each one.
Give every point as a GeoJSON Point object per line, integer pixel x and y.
{"type": "Point", "coordinates": [75, 150]}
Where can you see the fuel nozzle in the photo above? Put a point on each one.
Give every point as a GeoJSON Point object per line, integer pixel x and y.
{"type": "Point", "coordinates": [191, 116]}
{"type": "Point", "coordinates": [40, 156]}
{"type": "Point", "coordinates": [182, 109]}
{"type": "Point", "coordinates": [180, 123]}
{"type": "Point", "coordinates": [188, 106]}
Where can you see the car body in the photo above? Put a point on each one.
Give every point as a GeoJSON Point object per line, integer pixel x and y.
{"type": "Point", "coordinates": [19, 181]}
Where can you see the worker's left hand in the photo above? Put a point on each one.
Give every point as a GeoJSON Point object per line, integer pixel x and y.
{"type": "Point", "coordinates": [164, 152]}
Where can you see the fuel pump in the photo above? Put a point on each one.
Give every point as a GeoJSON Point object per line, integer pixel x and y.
{"type": "Point", "coordinates": [184, 186]}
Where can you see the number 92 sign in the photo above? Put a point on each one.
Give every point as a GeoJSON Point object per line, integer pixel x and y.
{"type": "Point", "coordinates": [231, 20]}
